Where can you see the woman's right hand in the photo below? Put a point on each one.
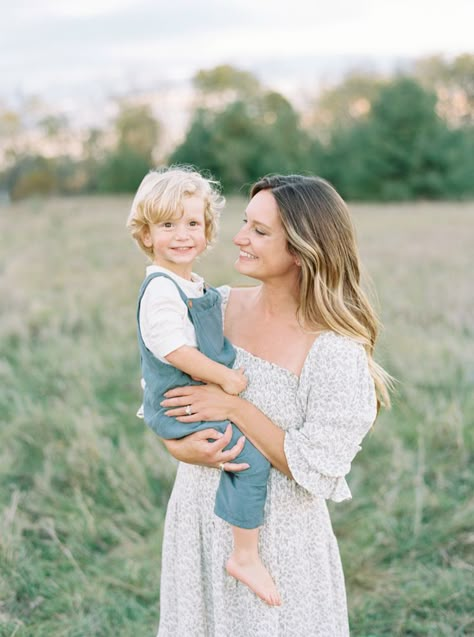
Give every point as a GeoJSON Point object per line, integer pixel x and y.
{"type": "Point", "coordinates": [196, 449]}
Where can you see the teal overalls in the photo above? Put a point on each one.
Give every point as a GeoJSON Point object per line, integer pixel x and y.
{"type": "Point", "coordinates": [240, 497]}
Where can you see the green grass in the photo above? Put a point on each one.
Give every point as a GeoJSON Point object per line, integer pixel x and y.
{"type": "Point", "coordinates": [84, 484]}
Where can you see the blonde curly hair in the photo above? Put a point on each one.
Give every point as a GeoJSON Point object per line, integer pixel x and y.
{"type": "Point", "coordinates": [160, 197]}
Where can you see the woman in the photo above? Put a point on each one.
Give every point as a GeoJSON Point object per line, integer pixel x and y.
{"type": "Point", "coordinates": [305, 337]}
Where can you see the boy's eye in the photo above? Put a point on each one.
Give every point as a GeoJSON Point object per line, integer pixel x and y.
{"type": "Point", "coordinates": [193, 224]}
{"type": "Point", "coordinates": [167, 224]}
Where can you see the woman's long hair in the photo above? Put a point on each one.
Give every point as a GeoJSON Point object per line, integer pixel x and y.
{"type": "Point", "coordinates": [320, 234]}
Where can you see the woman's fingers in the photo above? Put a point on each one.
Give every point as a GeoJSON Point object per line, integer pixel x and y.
{"type": "Point", "coordinates": [210, 434]}
{"type": "Point", "coordinates": [178, 392]}
{"type": "Point", "coordinates": [181, 401]}
{"type": "Point", "coordinates": [222, 441]}
{"type": "Point", "coordinates": [235, 468]}
{"type": "Point", "coordinates": [229, 454]}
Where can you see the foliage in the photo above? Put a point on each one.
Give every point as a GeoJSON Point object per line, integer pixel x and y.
{"type": "Point", "coordinates": [225, 78]}
{"type": "Point", "coordinates": [84, 484]}
{"type": "Point", "coordinates": [122, 171]}
{"type": "Point", "coordinates": [31, 175]}
{"type": "Point", "coordinates": [453, 81]}
{"type": "Point", "coordinates": [342, 105]}
{"type": "Point", "coordinates": [392, 138]}
{"type": "Point", "coordinates": [402, 150]}
{"type": "Point", "coordinates": [137, 132]}
{"type": "Point", "coordinates": [245, 138]}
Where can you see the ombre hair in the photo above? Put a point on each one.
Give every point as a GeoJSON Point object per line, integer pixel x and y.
{"type": "Point", "coordinates": [321, 236]}
{"type": "Point", "coordinates": [160, 198]}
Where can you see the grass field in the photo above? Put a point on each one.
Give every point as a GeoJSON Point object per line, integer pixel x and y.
{"type": "Point", "coordinates": [84, 485]}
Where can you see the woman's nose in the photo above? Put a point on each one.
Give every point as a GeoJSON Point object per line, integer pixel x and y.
{"type": "Point", "coordinates": [240, 238]}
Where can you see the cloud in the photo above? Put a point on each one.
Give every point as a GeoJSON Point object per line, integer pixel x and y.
{"type": "Point", "coordinates": [61, 42]}
{"type": "Point", "coordinates": [29, 10]}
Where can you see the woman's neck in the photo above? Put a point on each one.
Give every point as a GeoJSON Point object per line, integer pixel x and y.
{"type": "Point", "coordinates": [277, 300]}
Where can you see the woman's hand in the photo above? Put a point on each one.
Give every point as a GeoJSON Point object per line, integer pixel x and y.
{"type": "Point", "coordinates": [199, 402]}
{"type": "Point", "coordinates": [196, 449]}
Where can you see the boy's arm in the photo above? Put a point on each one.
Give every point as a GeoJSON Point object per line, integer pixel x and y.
{"type": "Point", "coordinates": [193, 362]}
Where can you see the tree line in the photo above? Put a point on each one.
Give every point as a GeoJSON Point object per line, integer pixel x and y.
{"type": "Point", "coordinates": [409, 136]}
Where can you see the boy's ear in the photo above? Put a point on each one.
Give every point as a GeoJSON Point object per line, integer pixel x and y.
{"type": "Point", "coordinates": [146, 237]}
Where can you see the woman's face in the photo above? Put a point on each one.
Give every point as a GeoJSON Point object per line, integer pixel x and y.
{"type": "Point", "coordinates": [262, 241]}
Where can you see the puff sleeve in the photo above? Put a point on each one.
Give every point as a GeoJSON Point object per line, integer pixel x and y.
{"type": "Point", "coordinates": [339, 402]}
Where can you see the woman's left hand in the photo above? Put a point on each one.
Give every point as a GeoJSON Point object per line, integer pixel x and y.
{"type": "Point", "coordinates": [199, 402]}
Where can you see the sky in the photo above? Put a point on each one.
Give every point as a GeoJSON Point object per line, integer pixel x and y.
{"type": "Point", "coordinates": [78, 47]}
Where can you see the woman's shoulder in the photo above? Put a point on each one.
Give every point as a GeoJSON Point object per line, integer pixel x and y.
{"type": "Point", "coordinates": [337, 349]}
{"type": "Point", "coordinates": [239, 295]}
{"type": "Point", "coordinates": [336, 365]}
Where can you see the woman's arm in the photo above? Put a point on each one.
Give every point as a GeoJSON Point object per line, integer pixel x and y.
{"type": "Point", "coordinates": [210, 402]}
{"type": "Point", "coordinates": [340, 409]}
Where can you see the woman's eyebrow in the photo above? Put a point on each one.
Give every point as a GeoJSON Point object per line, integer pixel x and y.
{"type": "Point", "coordinates": [256, 222]}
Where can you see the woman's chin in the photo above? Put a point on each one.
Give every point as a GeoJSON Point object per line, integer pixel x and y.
{"type": "Point", "coordinates": [243, 267]}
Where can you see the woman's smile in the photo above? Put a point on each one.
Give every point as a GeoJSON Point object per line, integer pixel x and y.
{"type": "Point", "coordinates": [246, 255]}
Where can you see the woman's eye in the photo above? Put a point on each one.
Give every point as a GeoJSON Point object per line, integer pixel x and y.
{"type": "Point", "coordinates": [259, 232]}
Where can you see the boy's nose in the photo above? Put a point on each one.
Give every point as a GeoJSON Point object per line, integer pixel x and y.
{"type": "Point", "coordinates": [182, 232]}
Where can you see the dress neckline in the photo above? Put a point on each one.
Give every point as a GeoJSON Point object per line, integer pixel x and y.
{"type": "Point", "coordinates": [288, 372]}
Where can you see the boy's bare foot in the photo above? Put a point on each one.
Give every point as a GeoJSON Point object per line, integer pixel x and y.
{"type": "Point", "coordinates": [253, 574]}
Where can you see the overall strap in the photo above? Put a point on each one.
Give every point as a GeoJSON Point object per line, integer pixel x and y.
{"type": "Point", "coordinates": [143, 287]}
{"type": "Point", "coordinates": [154, 275]}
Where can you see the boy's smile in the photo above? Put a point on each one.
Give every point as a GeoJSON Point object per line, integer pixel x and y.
{"type": "Point", "coordinates": [176, 242]}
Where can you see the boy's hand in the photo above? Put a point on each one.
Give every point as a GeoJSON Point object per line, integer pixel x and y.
{"type": "Point", "coordinates": [236, 382]}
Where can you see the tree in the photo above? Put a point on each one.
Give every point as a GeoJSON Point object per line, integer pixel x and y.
{"type": "Point", "coordinates": [345, 104]}
{"type": "Point", "coordinates": [453, 82]}
{"type": "Point", "coordinates": [403, 150]}
{"type": "Point", "coordinates": [137, 134]}
{"type": "Point", "coordinates": [224, 84]}
{"type": "Point", "coordinates": [245, 140]}
{"type": "Point", "coordinates": [31, 175]}
{"type": "Point", "coordinates": [137, 129]}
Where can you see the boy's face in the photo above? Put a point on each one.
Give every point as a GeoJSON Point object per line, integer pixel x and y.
{"type": "Point", "coordinates": [178, 241]}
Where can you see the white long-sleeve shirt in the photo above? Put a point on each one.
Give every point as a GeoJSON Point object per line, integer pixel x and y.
{"type": "Point", "coordinates": [164, 320]}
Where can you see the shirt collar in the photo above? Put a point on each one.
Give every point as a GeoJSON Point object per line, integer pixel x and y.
{"type": "Point", "coordinates": [196, 281]}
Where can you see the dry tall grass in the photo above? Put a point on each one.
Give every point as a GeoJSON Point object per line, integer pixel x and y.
{"type": "Point", "coordinates": [83, 484]}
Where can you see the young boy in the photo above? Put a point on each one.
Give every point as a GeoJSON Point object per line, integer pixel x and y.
{"type": "Point", "coordinates": [173, 219]}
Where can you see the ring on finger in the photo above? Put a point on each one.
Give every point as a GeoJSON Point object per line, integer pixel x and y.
{"type": "Point", "coordinates": [187, 410]}
{"type": "Point", "coordinates": [222, 466]}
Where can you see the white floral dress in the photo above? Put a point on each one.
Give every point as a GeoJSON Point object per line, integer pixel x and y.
{"type": "Point", "coordinates": [325, 413]}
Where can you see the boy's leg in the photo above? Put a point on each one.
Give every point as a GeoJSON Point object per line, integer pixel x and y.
{"type": "Point", "coordinates": [240, 500]}
{"type": "Point", "coordinates": [246, 565]}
